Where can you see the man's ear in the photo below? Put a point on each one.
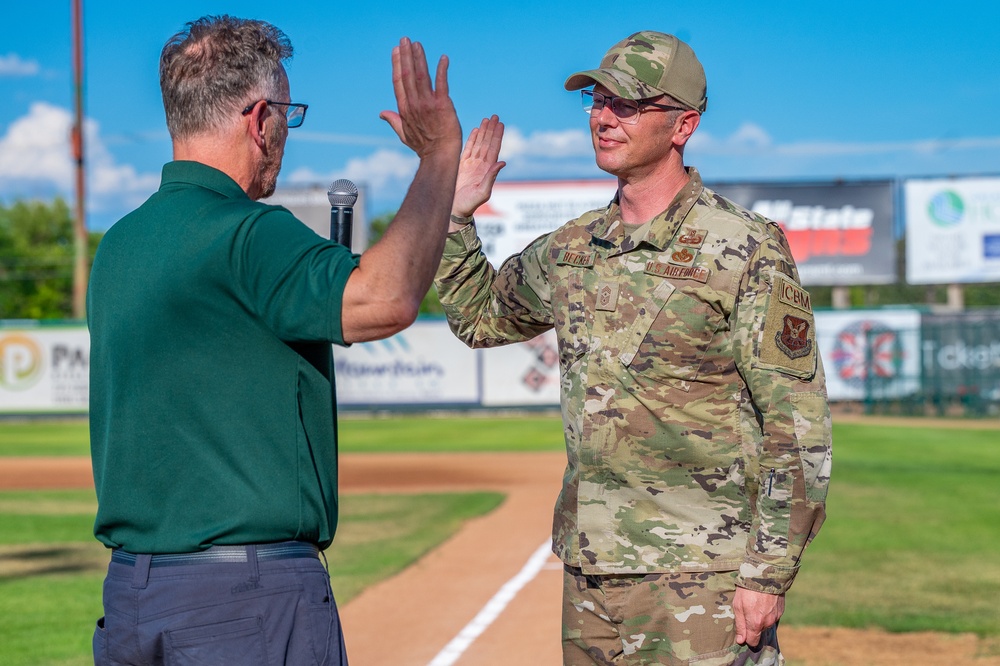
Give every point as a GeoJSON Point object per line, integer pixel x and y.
{"type": "Point", "coordinates": [256, 119]}
{"type": "Point", "coordinates": [685, 126]}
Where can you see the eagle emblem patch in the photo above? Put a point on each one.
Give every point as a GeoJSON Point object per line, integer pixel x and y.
{"type": "Point", "coordinates": [793, 339]}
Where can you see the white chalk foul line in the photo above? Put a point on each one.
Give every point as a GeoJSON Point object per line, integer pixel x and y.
{"type": "Point", "coordinates": [491, 611]}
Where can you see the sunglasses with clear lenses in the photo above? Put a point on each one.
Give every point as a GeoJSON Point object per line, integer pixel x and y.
{"type": "Point", "coordinates": [295, 114]}
{"type": "Point", "coordinates": [626, 110]}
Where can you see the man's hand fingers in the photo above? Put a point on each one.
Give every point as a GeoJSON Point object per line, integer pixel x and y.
{"type": "Point", "coordinates": [395, 122]}
{"type": "Point", "coordinates": [741, 623]}
{"type": "Point", "coordinates": [441, 78]}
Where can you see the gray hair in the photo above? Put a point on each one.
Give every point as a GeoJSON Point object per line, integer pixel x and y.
{"type": "Point", "coordinates": [217, 66]}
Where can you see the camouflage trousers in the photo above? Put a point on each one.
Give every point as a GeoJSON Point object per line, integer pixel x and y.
{"type": "Point", "coordinates": [676, 619]}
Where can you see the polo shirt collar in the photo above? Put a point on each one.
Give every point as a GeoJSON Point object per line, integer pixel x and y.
{"type": "Point", "coordinates": [201, 175]}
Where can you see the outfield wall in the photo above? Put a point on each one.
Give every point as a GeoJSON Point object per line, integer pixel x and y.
{"type": "Point", "coordinates": [869, 355]}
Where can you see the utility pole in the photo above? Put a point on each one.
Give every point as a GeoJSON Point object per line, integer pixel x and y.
{"type": "Point", "coordinates": [81, 270]}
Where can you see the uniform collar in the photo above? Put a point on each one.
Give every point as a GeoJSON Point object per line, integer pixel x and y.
{"type": "Point", "coordinates": [610, 230]}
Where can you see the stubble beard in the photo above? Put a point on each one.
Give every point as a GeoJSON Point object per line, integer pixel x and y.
{"type": "Point", "coordinates": [270, 166]}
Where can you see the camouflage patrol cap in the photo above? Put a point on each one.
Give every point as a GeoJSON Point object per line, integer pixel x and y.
{"type": "Point", "coordinates": [647, 64]}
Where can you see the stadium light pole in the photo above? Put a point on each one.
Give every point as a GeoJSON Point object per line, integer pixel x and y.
{"type": "Point", "coordinates": [80, 268]}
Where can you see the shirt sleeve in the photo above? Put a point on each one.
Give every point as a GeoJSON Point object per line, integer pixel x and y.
{"type": "Point", "coordinates": [487, 307]}
{"type": "Point", "coordinates": [789, 452]}
{"type": "Point", "coordinates": [293, 278]}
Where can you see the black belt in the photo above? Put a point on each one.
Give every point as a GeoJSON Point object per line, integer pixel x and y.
{"type": "Point", "coordinates": [216, 554]}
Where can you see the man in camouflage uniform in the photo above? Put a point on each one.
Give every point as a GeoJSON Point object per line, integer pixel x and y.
{"type": "Point", "coordinates": [693, 398]}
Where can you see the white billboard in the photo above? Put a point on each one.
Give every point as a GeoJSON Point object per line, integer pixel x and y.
{"type": "Point", "coordinates": [44, 369]}
{"type": "Point", "coordinates": [519, 212]}
{"type": "Point", "coordinates": [952, 230]}
{"type": "Point", "coordinates": [425, 364]}
{"type": "Point", "coordinates": [522, 374]}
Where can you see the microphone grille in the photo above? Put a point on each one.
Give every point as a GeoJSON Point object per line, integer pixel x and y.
{"type": "Point", "coordinates": [342, 193]}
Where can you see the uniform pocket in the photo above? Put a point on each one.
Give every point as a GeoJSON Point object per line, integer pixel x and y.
{"type": "Point", "coordinates": [668, 341]}
{"type": "Point", "coordinates": [718, 658]}
{"type": "Point", "coordinates": [574, 318]}
{"type": "Point", "coordinates": [232, 642]}
{"type": "Point", "coordinates": [811, 414]}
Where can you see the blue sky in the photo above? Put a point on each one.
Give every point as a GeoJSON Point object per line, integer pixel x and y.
{"type": "Point", "coordinates": [797, 90]}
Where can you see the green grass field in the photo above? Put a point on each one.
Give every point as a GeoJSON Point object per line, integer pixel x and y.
{"type": "Point", "coordinates": [404, 433]}
{"type": "Point", "coordinates": [51, 568]}
{"type": "Point", "coordinates": [911, 541]}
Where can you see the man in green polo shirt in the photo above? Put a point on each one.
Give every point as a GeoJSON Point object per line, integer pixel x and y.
{"type": "Point", "coordinates": [213, 417]}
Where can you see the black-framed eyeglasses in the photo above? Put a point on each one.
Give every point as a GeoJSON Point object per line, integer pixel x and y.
{"type": "Point", "coordinates": [295, 114]}
{"type": "Point", "coordinates": [626, 110]}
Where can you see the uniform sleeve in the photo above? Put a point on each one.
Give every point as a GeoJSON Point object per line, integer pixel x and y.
{"type": "Point", "coordinates": [789, 448]}
{"type": "Point", "coordinates": [293, 278]}
{"type": "Point", "coordinates": [488, 307]}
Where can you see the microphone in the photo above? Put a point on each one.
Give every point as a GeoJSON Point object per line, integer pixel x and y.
{"type": "Point", "coordinates": [342, 195]}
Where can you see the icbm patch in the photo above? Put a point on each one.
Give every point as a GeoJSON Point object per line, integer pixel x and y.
{"type": "Point", "coordinates": [787, 342]}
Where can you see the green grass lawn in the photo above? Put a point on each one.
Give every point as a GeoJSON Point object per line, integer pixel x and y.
{"type": "Point", "coordinates": [911, 543]}
{"type": "Point", "coordinates": [404, 433]}
{"type": "Point", "coordinates": [912, 538]}
{"type": "Point", "coordinates": [51, 569]}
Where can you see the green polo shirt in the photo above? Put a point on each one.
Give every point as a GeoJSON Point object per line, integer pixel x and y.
{"type": "Point", "coordinates": [212, 405]}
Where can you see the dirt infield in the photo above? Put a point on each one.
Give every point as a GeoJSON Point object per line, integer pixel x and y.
{"type": "Point", "coordinates": [411, 618]}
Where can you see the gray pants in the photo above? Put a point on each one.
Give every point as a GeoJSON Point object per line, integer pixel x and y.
{"type": "Point", "coordinates": [262, 611]}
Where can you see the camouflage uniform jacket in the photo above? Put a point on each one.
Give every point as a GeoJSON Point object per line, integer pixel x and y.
{"type": "Point", "coordinates": [693, 398]}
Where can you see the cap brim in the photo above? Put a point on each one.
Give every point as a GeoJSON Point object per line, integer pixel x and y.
{"type": "Point", "coordinates": [619, 83]}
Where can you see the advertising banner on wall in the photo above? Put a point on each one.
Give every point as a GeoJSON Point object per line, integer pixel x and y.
{"type": "Point", "coordinates": [961, 354]}
{"type": "Point", "coordinates": [840, 233]}
{"type": "Point", "coordinates": [520, 212]}
{"type": "Point", "coordinates": [952, 230]}
{"type": "Point", "coordinates": [523, 374]}
{"type": "Point", "coordinates": [870, 353]}
{"type": "Point", "coordinates": [44, 369]}
{"type": "Point", "coordinates": [425, 364]}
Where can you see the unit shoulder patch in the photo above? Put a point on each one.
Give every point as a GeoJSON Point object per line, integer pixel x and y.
{"type": "Point", "coordinates": [792, 294]}
{"type": "Point", "coordinates": [788, 339]}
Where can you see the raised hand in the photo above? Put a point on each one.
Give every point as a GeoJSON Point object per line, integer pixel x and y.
{"type": "Point", "coordinates": [478, 168]}
{"type": "Point", "coordinates": [426, 121]}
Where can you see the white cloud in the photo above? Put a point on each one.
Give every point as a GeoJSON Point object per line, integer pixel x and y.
{"type": "Point", "coordinates": [13, 65]}
{"type": "Point", "coordinates": [748, 138]}
{"type": "Point", "coordinates": [915, 147]}
{"type": "Point", "coordinates": [387, 173]}
{"type": "Point", "coordinates": [751, 139]}
{"type": "Point", "coordinates": [548, 145]}
{"type": "Point", "coordinates": [36, 148]}
{"type": "Point", "coordinates": [36, 160]}
{"type": "Point", "coordinates": [385, 176]}
{"type": "Point", "coordinates": [382, 170]}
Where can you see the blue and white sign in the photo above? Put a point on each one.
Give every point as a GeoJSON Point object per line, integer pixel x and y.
{"type": "Point", "coordinates": [952, 230]}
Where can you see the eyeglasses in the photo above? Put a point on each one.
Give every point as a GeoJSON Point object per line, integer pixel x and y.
{"type": "Point", "coordinates": [626, 110]}
{"type": "Point", "coordinates": [294, 114]}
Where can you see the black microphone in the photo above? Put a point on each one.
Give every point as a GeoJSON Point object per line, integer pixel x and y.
{"type": "Point", "coordinates": [342, 195]}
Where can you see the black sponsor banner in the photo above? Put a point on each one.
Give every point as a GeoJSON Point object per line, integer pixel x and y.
{"type": "Point", "coordinates": [840, 233]}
